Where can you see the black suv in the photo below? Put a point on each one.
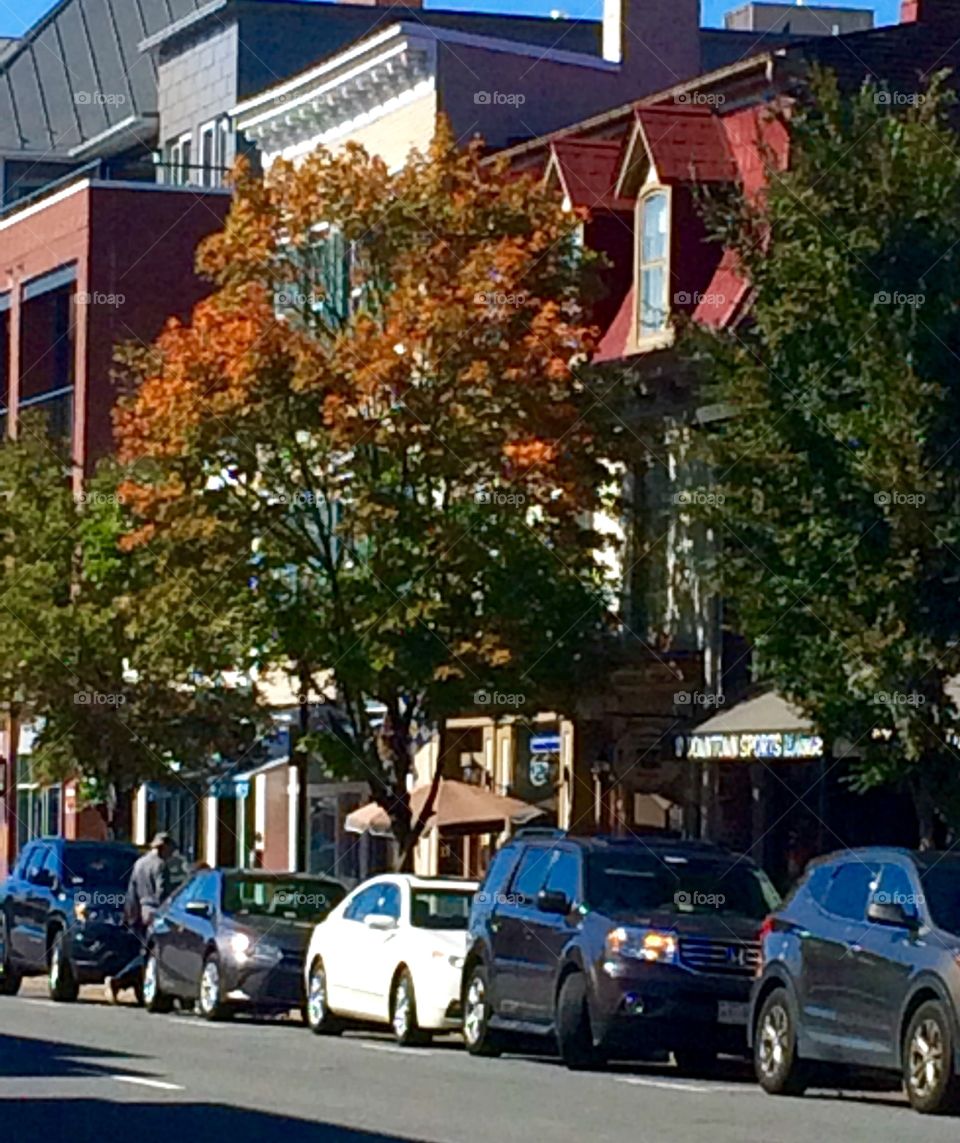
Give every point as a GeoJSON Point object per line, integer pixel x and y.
{"type": "Point", "coordinates": [61, 914]}
{"type": "Point", "coordinates": [860, 972]}
{"type": "Point", "coordinates": [617, 947]}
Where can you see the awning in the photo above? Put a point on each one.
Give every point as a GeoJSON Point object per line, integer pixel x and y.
{"type": "Point", "coordinates": [765, 727]}
{"type": "Point", "coordinates": [459, 807]}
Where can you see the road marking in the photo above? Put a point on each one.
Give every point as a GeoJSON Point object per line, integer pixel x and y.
{"type": "Point", "coordinates": [397, 1050]}
{"type": "Point", "coordinates": [667, 1085]}
{"type": "Point", "coordinates": [142, 1081]}
{"type": "Point", "coordinates": [43, 1003]}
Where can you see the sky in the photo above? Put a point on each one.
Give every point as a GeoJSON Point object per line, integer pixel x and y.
{"type": "Point", "coordinates": [16, 16]}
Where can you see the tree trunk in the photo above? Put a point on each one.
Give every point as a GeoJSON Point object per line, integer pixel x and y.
{"type": "Point", "coordinates": [925, 807]}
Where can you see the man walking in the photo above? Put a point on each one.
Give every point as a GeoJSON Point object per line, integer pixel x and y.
{"type": "Point", "coordinates": [150, 885]}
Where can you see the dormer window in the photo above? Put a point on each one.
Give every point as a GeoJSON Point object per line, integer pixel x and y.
{"type": "Point", "coordinates": [653, 275]}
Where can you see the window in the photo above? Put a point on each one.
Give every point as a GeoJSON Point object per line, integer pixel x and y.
{"type": "Point", "coordinates": [388, 901]}
{"type": "Point", "coordinates": [363, 904]}
{"type": "Point", "coordinates": [564, 875]}
{"type": "Point", "coordinates": [849, 889]}
{"type": "Point", "coordinates": [214, 151]}
{"type": "Point", "coordinates": [500, 869]}
{"type": "Point", "coordinates": [179, 159]}
{"type": "Point", "coordinates": [108, 865]}
{"type": "Point", "coordinates": [40, 860]}
{"type": "Point", "coordinates": [531, 873]}
{"type": "Point", "coordinates": [895, 887]}
{"type": "Point", "coordinates": [654, 216]}
{"type": "Point", "coordinates": [440, 909]}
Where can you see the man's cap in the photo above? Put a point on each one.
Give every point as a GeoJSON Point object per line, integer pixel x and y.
{"type": "Point", "coordinates": [161, 839]}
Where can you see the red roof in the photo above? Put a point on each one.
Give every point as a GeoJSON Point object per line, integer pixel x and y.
{"type": "Point", "coordinates": [721, 302]}
{"type": "Point", "coordinates": [687, 144]}
{"type": "Point", "coordinates": [588, 170]}
{"type": "Point", "coordinates": [614, 343]}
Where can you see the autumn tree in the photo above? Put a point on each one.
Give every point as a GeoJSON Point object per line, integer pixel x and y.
{"type": "Point", "coordinates": [118, 679]}
{"type": "Point", "coordinates": [836, 492]}
{"type": "Point", "coordinates": [374, 431]}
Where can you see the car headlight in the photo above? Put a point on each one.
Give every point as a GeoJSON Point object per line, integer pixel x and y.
{"type": "Point", "coordinates": [453, 961]}
{"type": "Point", "coordinates": [653, 945]}
{"type": "Point", "coordinates": [240, 945]}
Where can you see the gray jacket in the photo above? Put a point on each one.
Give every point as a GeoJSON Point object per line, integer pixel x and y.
{"type": "Point", "coordinates": [150, 885]}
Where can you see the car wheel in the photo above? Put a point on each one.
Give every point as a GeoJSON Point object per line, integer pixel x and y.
{"type": "Point", "coordinates": [154, 999]}
{"type": "Point", "coordinates": [929, 1078]}
{"type": "Point", "coordinates": [403, 1012]}
{"type": "Point", "coordinates": [695, 1061]}
{"type": "Point", "coordinates": [478, 1037]}
{"type": "Point", "coordinates": [62, 983]}
{"type": "Point", "coordinates": [10, 981]}
{"type": "Point", "coordinates": [574, 1033]}
{"type": "Point", "coordinates": [778, 1068]}
{"type": "Point", "coordinates": [211, 1003]}
{"type": "Point", "coordinates": [320, 1019]}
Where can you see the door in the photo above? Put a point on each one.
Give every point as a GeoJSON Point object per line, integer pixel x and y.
{"type": "Point", "coordinates": [883, 964]}
{"type": "Point", "coordinates": [512, 939]}
{"type": "Point", "coordinates": [344, 945]}
{"type": "Point", "coordinates": [546, 935]}
{"type": "Point", "coordinates": [16, 914]}
{"type": "Point", "coordinates": [829, 963]}
{"type": "Point", "coordinates": [33, 905]}
{"type": "Point", "coordinates": [185, 935]}
{"type": "Point", "coordinates": [366, 956]}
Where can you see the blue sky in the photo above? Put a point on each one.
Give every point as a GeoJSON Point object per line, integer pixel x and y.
{"type": "Point", "coordinates": [16, 16]}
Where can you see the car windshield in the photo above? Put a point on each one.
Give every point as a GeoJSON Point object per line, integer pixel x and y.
{"type": "Point", "coordinates": [941, 888]}
{"type": "Point", "coordinates": [93, 865]}
{"type": "Point", "coordinates": [440, 908]}
{"type": "Point", "coordinates": [294, 898]}
{"type": "Point", "coordinates": [648, 883]}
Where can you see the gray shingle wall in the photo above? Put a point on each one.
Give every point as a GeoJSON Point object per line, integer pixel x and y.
{"type": "Point", "coordinates": [198, 83]}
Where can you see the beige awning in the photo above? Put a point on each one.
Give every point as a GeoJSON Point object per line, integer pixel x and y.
{"type": "Point", "coordinates": [459, 806]}
{"type": "Point", "coordinates": [761, 715]}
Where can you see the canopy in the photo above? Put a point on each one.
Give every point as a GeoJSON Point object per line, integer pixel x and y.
{"type": "Point", "coordinates": [459, 806]}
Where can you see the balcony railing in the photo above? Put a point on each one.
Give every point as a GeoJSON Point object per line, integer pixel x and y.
{"type": "Point", "coordinates": [144, 170]}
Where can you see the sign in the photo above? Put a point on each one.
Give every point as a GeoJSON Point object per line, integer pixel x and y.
{"type": "Point", "coordinates": [545, 744]}
{"type": "Point", "coordinates": [230, 788]}
{"type": "Point", "coordinates": [759, 746]}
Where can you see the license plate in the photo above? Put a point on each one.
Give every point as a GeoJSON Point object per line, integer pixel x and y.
{"type": "Point", "coordinates": [732, 1012]}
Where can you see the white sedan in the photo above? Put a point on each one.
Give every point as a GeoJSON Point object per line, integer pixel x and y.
{"type": "Point", "coordinates": [391, 953]}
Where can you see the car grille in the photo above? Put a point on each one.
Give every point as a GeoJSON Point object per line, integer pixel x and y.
{"type": "Point", "coordinates": [726, 958]}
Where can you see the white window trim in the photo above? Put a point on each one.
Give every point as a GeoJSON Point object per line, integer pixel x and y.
{"type": "Point", "coordinates": [654, 339]}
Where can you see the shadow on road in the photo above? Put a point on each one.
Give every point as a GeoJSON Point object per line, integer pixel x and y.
{"type": "Point", "coordinates": [25, 1056]}
{"type": "Point", "coordinates": [94, 1120]}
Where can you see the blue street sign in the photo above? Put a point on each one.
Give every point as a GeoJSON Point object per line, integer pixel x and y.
{"type": "Point", "coordinates": [545, 744]}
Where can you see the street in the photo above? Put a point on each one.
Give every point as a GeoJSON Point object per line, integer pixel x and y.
{"type": "Point", "coordinates": [93, 1072]}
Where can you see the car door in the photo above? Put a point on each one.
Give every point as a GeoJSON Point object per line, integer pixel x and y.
{"type": "Point", "coordinates": [829, 953]}
{"type": "Point", "coordinates": [370, 952]}
{"type": "Point", "coordinates": [344, 949]}
{"type": "Point", "coordinates": [198, 931]}
{"type": "Point", "coordinates": [546, 935]}
{"type": "Point", "coordinates": [33, 907]}
{"type": "Point", "coordinates": [179, 940]}
{"type": "Point", "coordinates": [16, 911]}
{"type": "Point", "coordinates": [512, 940]}
{"type": "Point", "coordinates": [883, 964]}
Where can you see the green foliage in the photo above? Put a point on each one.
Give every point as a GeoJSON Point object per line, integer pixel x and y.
{"type": "Point", "coordinates": [835, 501]}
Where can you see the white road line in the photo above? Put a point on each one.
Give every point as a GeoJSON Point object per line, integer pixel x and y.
{"type": "Point", "coordinates": [142, 1081]}
{"type": "Point", "coordinates": [667, 1085]}
{"type": "Point", "coordinates": [397, 1050]}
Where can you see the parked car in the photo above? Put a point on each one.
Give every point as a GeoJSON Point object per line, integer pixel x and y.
{"type": "Point", "coordinates": [615, 947]}
{"type": "Point", "coordinates": [391, 953]}
{"type": "Point", "coordinates": [61, 914]}
{"type": "Point", "coordinates": [232, 939]}
{"type": "Point", "coordinates": [860, 971]}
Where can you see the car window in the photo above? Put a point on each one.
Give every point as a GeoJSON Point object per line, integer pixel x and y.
{"type": "Point", "coordinates": [38, 862]}
{"type": "Point", "coordinates": [563, 875]}
{"type": "Point", "coordinates": [363, 904]}
{"type": "Point", "coordinates": [849, 890]}
{"type": "Point", "coordinates": [896, 887]}
{"type": "Point", "coordinates": [498, 873]}
{"type": "Point", "coordinates": [23, 863]}
{"type": "Point", "coordinates": [440, 908]}
{"type": "Point", "coordinates": [388, 901]}
{"type": "Point", "coordinates": [817, 884]}
{"type": "Point", "coordinates": [91, 865]}
{"type": "Point", "coordinates": [941, 891]}
{"type": "Point", "coordinates": [206, 888]}
{"type": "Point", "coordinates": [531, 872]}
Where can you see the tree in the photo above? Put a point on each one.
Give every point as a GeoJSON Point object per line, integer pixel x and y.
{"type": "Point", "coordinates": [118, 685]}
{"type": "Point", "coordinates": [835, 496]}
{"type": "Point", "coordinates": [375, 430]}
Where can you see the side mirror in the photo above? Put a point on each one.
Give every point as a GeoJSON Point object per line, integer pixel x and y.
{"type": "Point", "coordinates": [380, 921]}
{"type": "Point", "coordinates": [553, 901]}
{"type": "Point", "coordinates": [891, 913]}
{"type": "Point", "coordinates": [45, 879]}
{"type": "Point", "coordinates": [199, 909]}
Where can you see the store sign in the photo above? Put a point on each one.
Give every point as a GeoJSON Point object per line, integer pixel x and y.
{"type": "Point", "coordinates": [760, 746]}
{"type": "Point", "coordinates": [545, 744]}
{"type": "Point", "coordinates": [230, 788]}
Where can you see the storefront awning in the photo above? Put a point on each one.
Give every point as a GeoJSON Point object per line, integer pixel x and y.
{"type": "Point", "coordinates": [459, 807]}
{"type": "Point", "coordinates": [765, 727]}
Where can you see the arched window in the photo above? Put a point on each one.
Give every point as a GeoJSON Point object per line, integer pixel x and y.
{"type": "Point", "coordinates": [653, 276]}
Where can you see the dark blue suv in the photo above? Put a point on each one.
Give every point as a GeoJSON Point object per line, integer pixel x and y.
{"type": "Point", "coordinates": [61, 915]}
{"type": "Point", "coordinates": [615, 947]}
{"type": "Point", "coordinates": [861, 972]}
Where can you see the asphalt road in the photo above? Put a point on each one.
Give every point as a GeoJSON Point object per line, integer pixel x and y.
{"type": "Point", "coordinates": [91, 1073]}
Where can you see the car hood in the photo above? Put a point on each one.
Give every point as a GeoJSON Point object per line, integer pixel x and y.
{"type": "Point", "coordinates": [290, 936]}
{"type": "Point", "coordinates": [720, 926]}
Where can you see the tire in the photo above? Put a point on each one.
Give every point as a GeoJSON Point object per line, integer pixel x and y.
{"type": "Point", "coordinates": [574, 1032]}
{"type": "Point", "coordinates": [403, 1012]}
{"type": "Point", "coordinates": [10, 980]}
{"type": "Point", "coordinates": [477, 1010]}
{"type": "Point", "coordinates": [61, 981]}
{"type": "Point", "coordinates": [778, 1068]}
{"type": "Point", "coordinates": [210, 1003]}
{"type": "Point", "coordinates": [320, 1019]}
{"type": "Point", "coordinates": [154, 1000]}
{"type": "Point", "coordinates": [929, 1079]}
{"type": "Point", "coordinates": [695, 1062]}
